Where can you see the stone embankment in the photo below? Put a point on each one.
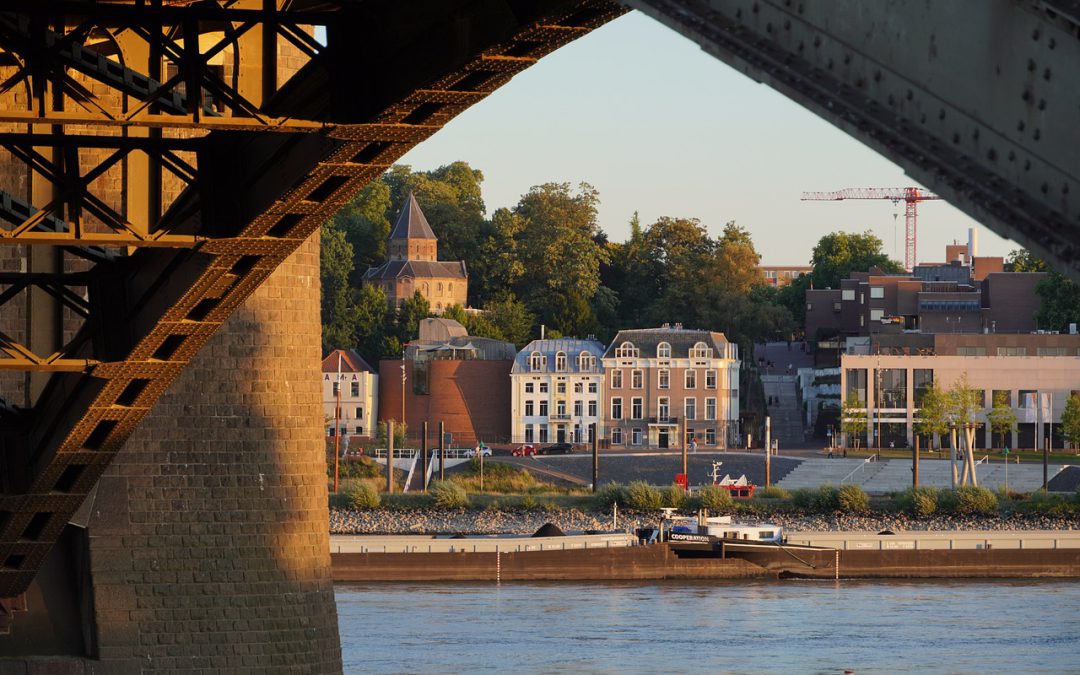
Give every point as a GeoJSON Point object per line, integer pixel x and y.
{"type": "Point", "coordinates": [459, 521]}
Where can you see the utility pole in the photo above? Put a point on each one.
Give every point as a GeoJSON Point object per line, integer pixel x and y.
{"type": "Point", "coordinates": [442, 450]}
{"type": "Point", "coordinates": [337, 422]}
{"type": "Point", "coordinates": [768, 451]}
{"type": "Point", "coordinates": [595, 456]}
{"type": "Point", "coordinates": [683, 426]}
{"type": "Point", "coordinates": [424, 452]}
{"type": "Point", "coordinates": [389, 456]}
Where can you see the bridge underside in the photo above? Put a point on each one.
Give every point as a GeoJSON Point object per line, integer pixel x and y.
{"type": "Point", "coordinates": [976, 100]}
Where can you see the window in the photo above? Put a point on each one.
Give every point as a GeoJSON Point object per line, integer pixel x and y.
{"type": "Point", "coordinates": [528, 387]}
{"type": "Point", "coordinates": [663, 351]}
{"type": "Point", "coordinates": [543, 408]}
{"type": "Point", "coordinates": [579, 387]}
{"type": "Point", "coordinates": [543, 433]}
{"type": "Point", "coordinates": [1026, 398]}
{"type": "Point", "coordinates": [663, 409]}
{"type": "Point", "coordinates": [592, 408]}
{"type": "Point", "coordinates": [560, 387]}
{"type": "Point", "coordinates": [586, 362]}
{"type": "Point", "coordinates": [921, 381]}
{"type": "Point", "coordinates": [528, 433]}
{"type": "Point", "coordinates": [560, 409]}
{"type": "Point", "coordinates": [626, 350]}
{"type": "Point", "coordinates": [337, 388]}
{"type": "Point", "coordinates": [664, 379]}
{"type": "Point", "coordinates": [710, 408]}
{"type": "Point", "coordinates": [635, 436]}
{"type": "Point", "coordinates": [971, 351]}
{"type": "Point", "coordinates": [543, 387]}
{"type": "Point", "coordinates": [593, 388]}
{"type": "Point", "coordinates": [359, 431]}
{"type": "Point", "coordinates": [579, 407]}
{"type": "Point", "coordinates": [893, 388]}
{"type": "Point", "coordinates": [616, 436]}
{"type": "Point", "coordinates": [616, 408]}
{"type": "Point", "coordinates": [616, 379]}
{"type": "Point", "coordinates": [331, 432]}
{"type": "Point", "coordinates": [1012, 351]}
{"type": "Point", "coordinates": [710, 379]}
{"type": "Point", "coordinates": [690, 408]}
{"type": "Point", "coordinates": [636, 408]}
{"type": "Point", "coordinates": [690, 379]}
{"type": "Point", "coordinates": [637, 379]}
{"type": "Point", "coordinates": [1052, 351]}
{"type": "Point", "coordinates": [701, 351]}
{"type": "Point", "coordinates": [856, 385]}
{"type": "Point", "coordinates": [529, 408]}
{"type": "Point", "coordinates": [877, 292]}
{"type": "Point", "coordinates": [536, 361]}
{"type": "Point", "coordinates": [809, 306]}
{"type": "Point", "coordinates": [560, 362]}
{"type": "Point", "coordinates": [710, 436]}
{"type": "Point", "coordinates": [876, 314]}
{"type": "Point", "coordinates": [359, 413]}
{"type": "Point", "coordinates": [847, 294]}
{"type": "Point", "coordinates": [354, 390]}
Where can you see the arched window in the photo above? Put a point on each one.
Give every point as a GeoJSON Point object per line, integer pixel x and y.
{"type": "Point", "coordinates": [450, 288]}
{"type": "Point", "coordinates": [438, 288]}
{"type": "Point", "coordinates": [536, 361]}
{"type": "Point", "coordinates": [663, 350]}
{"type": "Point", "coordinates": [560, 362]}
{"type": "Point", "coordinates": [701, 351]}
{"type": "Point", "coordinates": [586, 362]}
{"type": "Point", "coordinates": [424, 290]}
{"type": "Point", "coordinates": [626, 350]}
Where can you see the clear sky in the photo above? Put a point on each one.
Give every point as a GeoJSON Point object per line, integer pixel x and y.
{"type": "Point", "coordinates": [662, 128]}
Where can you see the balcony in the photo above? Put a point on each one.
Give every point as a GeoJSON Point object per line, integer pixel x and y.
{"type": "Point", "coordinates": [664, 421]}
{"type": "Point", "coordinates": [560, 417]}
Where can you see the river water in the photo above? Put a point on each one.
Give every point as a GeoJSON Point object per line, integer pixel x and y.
{"type": "Point", "coordinates": [704, 626]}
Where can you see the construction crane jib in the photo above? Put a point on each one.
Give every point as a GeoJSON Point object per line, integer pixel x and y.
{"type": "Point", "coordinates": [911, 196]}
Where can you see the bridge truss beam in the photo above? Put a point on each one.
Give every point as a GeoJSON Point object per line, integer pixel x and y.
{"type": "Point", "coordinates": [976, 100]}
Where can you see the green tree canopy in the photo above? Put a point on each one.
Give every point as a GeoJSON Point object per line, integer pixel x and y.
{"type": "Point", "coordinates": [839, 254]}
{"type": "Point", "coordinates": [1060, 302]}
{"type": "Point", "coordinates": [1002, 418]}
{"type": "Point", "coordinates": [932, 418]}
{"type": "Point", "coordinates": [1022, 260]}
{"type": "Point", "coordinates": [853, 420]}
{"type": "Point", "coordinates": [1070, 420]}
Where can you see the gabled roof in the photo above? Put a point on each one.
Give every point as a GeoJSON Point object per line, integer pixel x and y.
{"type": "Point", "coordinates": [417, 269]}
{"type": "Point", "coordinates": [411, 224]}
{"type": "Point", "coordinates": [349, 362]}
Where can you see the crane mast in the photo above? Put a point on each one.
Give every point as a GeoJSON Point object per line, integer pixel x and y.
{"type": "Point", "coordinates": [911, 196]}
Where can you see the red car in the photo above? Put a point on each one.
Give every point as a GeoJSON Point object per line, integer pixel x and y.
{"type": "Point", "coordinates": [524, 451]}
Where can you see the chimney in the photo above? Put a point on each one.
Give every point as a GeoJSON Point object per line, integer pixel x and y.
{"type": "Point", "coordinates": [541, 331]}
{"type": "Point", "coordinates": [973, 245]}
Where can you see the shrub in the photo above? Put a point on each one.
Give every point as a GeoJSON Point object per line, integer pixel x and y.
{"type": "Point", "coordinates": [1052, 505]}
{"type": "Point", "coordinates": [774, 492]}
{"type": "Point", "coordinates": [674, 496]}
{"type": "Point", "coordinates": [920, 502]}
{"type": "Point", "coordinates": [803, 498]}
{"type": "Point", "coordinates": [609, 494]}
{"type": "Point", "coordinates": [852, 499]}
{"type": "Point", "coordinates": [528, 502]}
{"type": "Point", "coordinates": [640, 495]}
{"type": "Point", "coordinates": [968, 500]}
{"type": "Point", "coordinates": [362, 496]}
{"type": "Point", "coordinates": [715, 498]}
{"type": "Point", "coordinates": [826, 498]}
{"type": "Point", "coordinates": [448, 495]}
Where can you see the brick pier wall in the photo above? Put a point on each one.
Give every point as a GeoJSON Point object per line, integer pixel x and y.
{"type": "Point", "coordinates": [209, 542]}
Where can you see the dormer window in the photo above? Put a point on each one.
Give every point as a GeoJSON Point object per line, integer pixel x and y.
{"type": "Point", "coordinates": [536, 361]}
{"type": "Point", "coordinates": [701, 351]}
{"type": "Point", "coordinates": [626, 350]}
{"type": "Point", "coordinates": [663, 350]}
{"type": "Point", "coordinates": [586, 362]}
{"type": "Point", "coordinates": [560, 362]}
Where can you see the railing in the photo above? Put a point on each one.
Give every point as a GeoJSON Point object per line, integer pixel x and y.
{"type": "Point", "coordinates": [561, 416]}
{"type": "Point", "coordinates": [984, 460]}
{"type": "Point", "coordinates": [865, 463]}
{"type": "Point", "coordinates": [399, 453]}
{"type": "Point", "coordinates": [664, 419]}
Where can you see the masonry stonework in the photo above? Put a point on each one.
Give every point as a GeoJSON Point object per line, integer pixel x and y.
{"type": "Point", "coordinates": [208, 538]}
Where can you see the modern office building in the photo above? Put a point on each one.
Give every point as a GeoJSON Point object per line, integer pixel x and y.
{"type": "Point", "coordinates": [663, 380]}
{"type": "Point", "coordinates": [556, 390]}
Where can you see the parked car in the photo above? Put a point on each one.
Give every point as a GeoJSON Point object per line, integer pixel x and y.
{"type": "Point", "coordinates": [484, 450]}
{"type": "Point", "coordinates": [524, 451]}
{"type": "Point", "coordinates": [557, 449]}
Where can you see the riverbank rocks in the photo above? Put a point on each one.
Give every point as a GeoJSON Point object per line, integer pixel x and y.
{"type": "Point", "coordinates": [466, 521]}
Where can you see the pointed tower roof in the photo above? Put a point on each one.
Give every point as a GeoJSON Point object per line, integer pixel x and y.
{"type": "Point", "coordinates": [412, 224]}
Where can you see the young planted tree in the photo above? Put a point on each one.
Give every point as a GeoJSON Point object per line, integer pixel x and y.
{"type": "Point", "coordinates": [853, 419]}
{"type": "Point", "coordinates": [965, 404]}
{"type": "Point", "coordinates": [1070, 420]}
{"type": "Point", "coordinates": [1001, 417]}
{"type": "Point", "coordinates": [933, 415]}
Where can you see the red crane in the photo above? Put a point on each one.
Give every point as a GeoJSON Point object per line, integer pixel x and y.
{"type": "Point", "coordinates": [910, 196]}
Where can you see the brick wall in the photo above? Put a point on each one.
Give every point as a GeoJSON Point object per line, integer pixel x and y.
{"type": "Point", "coordinates": [209, 539]}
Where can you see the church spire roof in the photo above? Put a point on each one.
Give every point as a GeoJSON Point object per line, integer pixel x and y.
{"type": "Point", "coordinates": [411, 224]}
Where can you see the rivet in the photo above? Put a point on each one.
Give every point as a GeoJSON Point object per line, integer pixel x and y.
{"type": "Point", "coordinates": [1036, 134]}
{"type": "Point", "coordinates": [1042, 104]}
{"type": "Point", "coordinates": [1031, 65]}
{"type": "Point", "coordinates": [1046, 74]}
{"type": "Point", "coordinates": [1035, 34]}
{"type": "Point", "coordinates": [1020, 125]}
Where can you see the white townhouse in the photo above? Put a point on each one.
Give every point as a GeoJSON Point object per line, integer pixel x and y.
{"type": "Point", "coordinates": [346, 372]}
{"type": "Point", "coordinates": [557, 389]}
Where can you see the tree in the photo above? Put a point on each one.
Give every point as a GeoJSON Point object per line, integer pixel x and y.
{"type": "Point", "coordinates": [933, 415]}
{"type": "Point", "coordinates": [1060, 302]}
{"type": "Point", "coordinates": [409, 316]}
{"type": "Point", "coordinates": [400, 434]}
{"type": "Point", "coordinates": [1070, 420]}
{"type": "Point", "coordinates": [366, 225]}
{"type": "Point", "coordinates": [511, 317]}
{"type": "Point", "coordinates": [964, 402]}
{"type": "Point", "coordinates": [337, 308]}
{"type": "Point", "coordinates": [839, 254]}
{"type": "Point", "coordinates": [1022, 260]}
{"type": "Point", "coordinates": [1001, 417]}
{"type": "Point", "coordinates": [853, 419]}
